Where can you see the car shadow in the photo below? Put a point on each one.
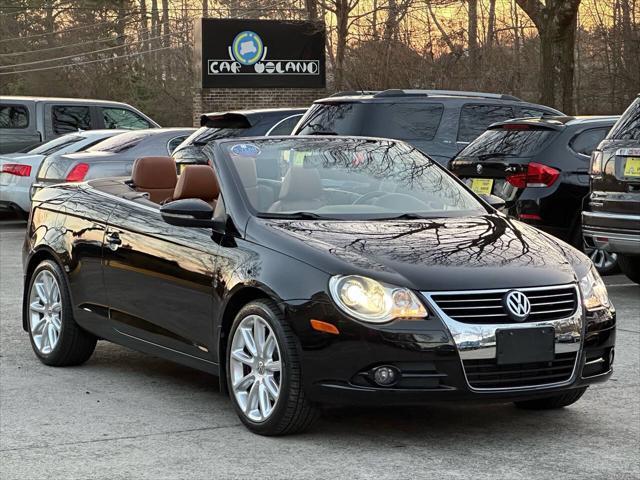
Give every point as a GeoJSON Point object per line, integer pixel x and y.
{"type": "Point", "coordinates": [433, 422]}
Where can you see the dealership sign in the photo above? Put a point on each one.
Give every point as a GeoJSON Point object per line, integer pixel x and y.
{"type": "Point", "coordinates": [261, 53]}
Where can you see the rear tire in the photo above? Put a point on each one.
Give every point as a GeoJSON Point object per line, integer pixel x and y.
{"type": "Point", "coordinates": [630, 266]}
{"type": "Point", "coordinates": [279, 405]}
{"type": "Point", "coordinates": [551, 403]}
{"type": "Point", "coordinates": [56, 338]}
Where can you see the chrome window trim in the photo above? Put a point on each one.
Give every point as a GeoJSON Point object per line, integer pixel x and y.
{"type": "Point", "coordinates": [619, 216]}
{"type": "Point", "coordinates": [478, 341]}
{"type": "Point", "coordinates": [277, 124]}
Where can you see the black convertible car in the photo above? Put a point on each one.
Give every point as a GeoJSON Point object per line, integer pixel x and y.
{"type": "Point", "coordinates": [315, 270]}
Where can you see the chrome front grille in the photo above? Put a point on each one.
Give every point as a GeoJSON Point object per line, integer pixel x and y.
{"type": "Point", "coordinates": [488, 374]}
{"type": "Point", "coordinates": [486, 307]}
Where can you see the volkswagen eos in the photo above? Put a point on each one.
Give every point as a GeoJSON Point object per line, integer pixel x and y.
{"type": "Point", "coordinates": [308, 271]}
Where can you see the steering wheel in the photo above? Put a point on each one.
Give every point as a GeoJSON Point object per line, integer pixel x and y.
{"type": "Point", "coordinates": [364, 199]}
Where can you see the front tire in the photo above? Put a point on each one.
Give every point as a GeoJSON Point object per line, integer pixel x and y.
{"type": "Point", "coordinates": [556, 401]}
{"type": "Point", "coordinates": [264, 374]}
{"type": "Point", "coordinates": [56, 338]}
{"type": "Point", "coordinates": [630, 266]}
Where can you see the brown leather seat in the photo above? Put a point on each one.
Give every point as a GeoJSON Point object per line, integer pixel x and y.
{"type": "Point", "coordinates": [156, 176]}
{"type": "Point", "coordinates": [198, 181]}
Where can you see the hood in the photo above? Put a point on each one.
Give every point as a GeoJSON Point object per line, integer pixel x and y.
{"type": "Point", "coordinates": [482, 252]}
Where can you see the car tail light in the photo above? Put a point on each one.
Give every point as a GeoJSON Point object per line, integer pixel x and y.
{"type": "Point", "coordinates": [16, 169]}
{"type": "Point", "coordinates": [78, 173]}
{"type": "Point", "coordinates": [529, 216]}
{"type": "Point", "coordinates": [596, 163]}
{"type": "Point", "coordinates": [537, 175]}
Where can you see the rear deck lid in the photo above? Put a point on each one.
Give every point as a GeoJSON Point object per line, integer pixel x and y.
{"type": "Point", "coordinates": [500, 161]}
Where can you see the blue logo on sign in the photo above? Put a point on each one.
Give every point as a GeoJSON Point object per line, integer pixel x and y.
{"type": "Point", "coordinates": [245, 150]}
{"type": "Point", "coordinates": [247, 48]}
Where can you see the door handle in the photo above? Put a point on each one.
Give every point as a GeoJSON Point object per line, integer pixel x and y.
{"type": "Point", "coordinates": [113, 241]}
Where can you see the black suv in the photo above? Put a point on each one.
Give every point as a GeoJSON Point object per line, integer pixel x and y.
{"type": "Point", "coordinates": [540, 168]}
{"type": "Point", "coordinates": [611, 220]}
{"type": "Point", "coordinates": [438, 122]}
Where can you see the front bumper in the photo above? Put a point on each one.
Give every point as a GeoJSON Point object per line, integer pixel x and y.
{"type": "Point", "coordinates": [618, 233]}
{"type": "Point", "coordinates": [433, 357]}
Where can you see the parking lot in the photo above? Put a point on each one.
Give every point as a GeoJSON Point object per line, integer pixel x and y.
{"type": "Point", "coordinates": [127, 415]}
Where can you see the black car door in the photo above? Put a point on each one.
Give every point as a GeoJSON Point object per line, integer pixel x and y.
{"type": "Point", "coordinates": [159, 279]}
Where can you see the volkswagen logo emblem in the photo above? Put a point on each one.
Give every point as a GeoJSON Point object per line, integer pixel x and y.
{"type": "Point", "coordinates": [517, 305]}
{"type": "Point", "coordinates": [479, 168]}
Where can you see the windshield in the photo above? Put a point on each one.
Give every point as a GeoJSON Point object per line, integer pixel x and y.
{"type": "Point", "coordinates": [520, 143]}
{"type": "Point", "coordinates": [56, 144]}
{"type": "Point", "coordinates": [190, 150]}
{"type": "Point", "coordinates": [120, 143]}
{"type": "Point", "coordinates": [344, 178]}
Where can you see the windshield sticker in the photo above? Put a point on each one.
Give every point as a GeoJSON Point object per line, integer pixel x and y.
{"type": "Point", "coordinates": [295, 157]}
{"type": "Point", "coordinates": [245, 150]}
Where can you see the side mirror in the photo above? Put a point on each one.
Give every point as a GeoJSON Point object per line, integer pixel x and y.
{"type": "Point", "coordinates": [188, 212]}
{"type": "Point", "coordinates": [495, 202]}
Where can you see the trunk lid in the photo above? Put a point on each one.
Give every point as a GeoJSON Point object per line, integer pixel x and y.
{"type": "Point", "coordinates": [499, 162]}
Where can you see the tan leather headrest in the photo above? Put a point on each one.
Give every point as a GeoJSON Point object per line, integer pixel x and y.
{"type": "Point", "coordinates": [197, 181]}
{"type": "Point", "coordinates": [301, 184]}
{"type": "Point", "coordinates": [154, 173]}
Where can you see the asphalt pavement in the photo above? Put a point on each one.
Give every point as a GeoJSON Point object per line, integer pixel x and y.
{"type": "Point", "coordinates": [126, 415]}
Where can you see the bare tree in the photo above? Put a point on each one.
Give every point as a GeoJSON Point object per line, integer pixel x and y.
{"type": "Point", "coordinates": [342, 10]}
{"type": "Point", "coordinates": [556, 22]}
{"type": "Point", "coordinates": [473, 35]}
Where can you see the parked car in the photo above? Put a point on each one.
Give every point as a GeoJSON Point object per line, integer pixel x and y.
{"type": "Point", "coordinates": [239, 123]}
{"type": "Point", "coordinates": [540, 167]}
{"type": "Point", "coordinates": [109, 158]}
{"type": "Point", "coordinates": [18, 171]}
{"type": "Point", "coordinates": [611, 220]}
{"type": "Point", "coordinates": [374, 277]}
{"type": "Point", "coordinates": [30, 121]}
{"type": "Point", "coordinates": [438, 122]}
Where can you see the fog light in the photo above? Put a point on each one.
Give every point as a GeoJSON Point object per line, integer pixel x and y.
{"type": "Point", "coordinates": [385, 376]}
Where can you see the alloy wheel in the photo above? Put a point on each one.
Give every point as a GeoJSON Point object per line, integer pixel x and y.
{"type": "Point", "coordinates": [45, 312]}
{"type": "Point", "coordinates": [255, 368]}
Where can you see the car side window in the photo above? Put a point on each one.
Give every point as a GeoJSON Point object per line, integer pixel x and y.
{"type": "Point", "coordinates": [475, 118]}
{"type": "Point", "coordinates": [587, 141]}
{"type": "Point", "coordinates": [174, 142]}
{"type": "Point", "coordinates": [123, 118]}
{"type": "Point", "coordinates": [285, 126]}
{"type": "Point", "coordinates": [14, 116]}
{"type": "Point", "coordinates": [70, 118]}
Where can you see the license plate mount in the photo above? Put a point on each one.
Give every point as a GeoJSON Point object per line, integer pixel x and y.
{"type": "Point", "coordinates": [525, 345]}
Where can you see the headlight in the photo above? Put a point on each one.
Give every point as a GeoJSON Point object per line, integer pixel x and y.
{"type": "Point", "coordinates": [594, 292]}
{"type": "Point", "coordinates": [373, 301]}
